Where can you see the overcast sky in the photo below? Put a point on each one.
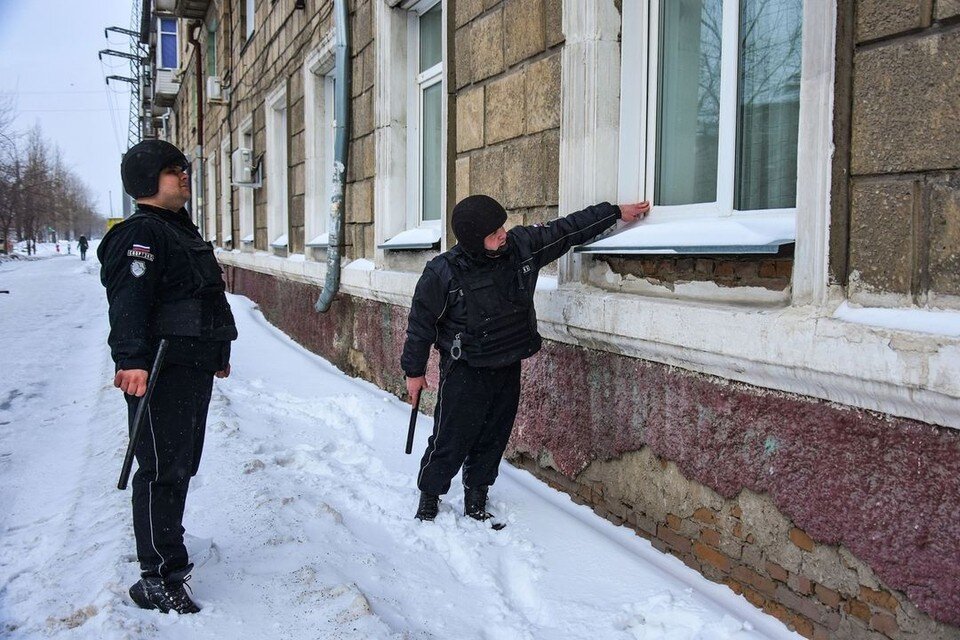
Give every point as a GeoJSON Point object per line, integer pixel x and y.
{"type": "Point", "coordinates": [50, 72]}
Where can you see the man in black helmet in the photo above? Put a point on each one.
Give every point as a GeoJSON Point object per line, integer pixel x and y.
{"type": "Point", "coordinates": [163, 281]}
{"type": "Point", "coordinates": [474, 304]}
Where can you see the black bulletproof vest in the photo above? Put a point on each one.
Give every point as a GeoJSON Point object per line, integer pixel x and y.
{"type": "Point", "coordinates": [200, 310]}
{"type": "Point", "coordinates": [501, 322]}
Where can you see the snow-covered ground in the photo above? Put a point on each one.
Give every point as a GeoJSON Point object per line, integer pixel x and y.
{"type": "Point", "coordinates": [301, 515]}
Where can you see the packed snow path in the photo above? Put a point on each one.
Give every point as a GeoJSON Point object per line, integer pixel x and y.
{"type": "Point", "coordinates": [301, 516]}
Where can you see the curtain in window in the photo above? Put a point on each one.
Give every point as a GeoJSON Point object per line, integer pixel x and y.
{"type": "Point", "coordinates": [431, 54]}
{"type": "Point", "coordinates": [688, 110]}
{"type": "Point", "coordinates": [168, 43]}
{"type": "Point", "coordinates": [769, 104]}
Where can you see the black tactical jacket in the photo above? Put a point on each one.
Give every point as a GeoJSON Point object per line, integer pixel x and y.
{"type": "Point", "coordinates": [163, 281]}
{"type": "Point", "coordinates": [439, 311]}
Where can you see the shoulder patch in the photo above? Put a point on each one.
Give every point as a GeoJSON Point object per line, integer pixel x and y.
{"type": "Point", "coordinates": [138, 268]}
{"type": "Point", "coordinates": [141, 251]}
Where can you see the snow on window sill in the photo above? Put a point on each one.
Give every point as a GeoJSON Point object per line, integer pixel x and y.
{"type": "Point", "coordinates": [247, 239]}
{"type": "Point", "coordinates": [944, 323]}
{"type": "Point", "coordinates": [322, 241]}
{"type": "Point", "coordinates": [280, 243]}
{"type": "Point", "coordinates": [419, 238]}
{"type": "Point", "coordinates": [762, 233]}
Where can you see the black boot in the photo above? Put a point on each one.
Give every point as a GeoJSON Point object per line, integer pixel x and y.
{"type": "Point", "coordinates": [429, 507]}
{"type": "Point", "coordinates": [475, 503]}
{"type": "Point", "coordinates": [154, 593]}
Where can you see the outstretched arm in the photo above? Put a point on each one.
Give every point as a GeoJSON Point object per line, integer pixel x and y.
{"type": "Point", "coordinates": [550, 241]}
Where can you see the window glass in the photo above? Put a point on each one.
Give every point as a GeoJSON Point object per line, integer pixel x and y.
{"type": "Point", "coordinates": [430, 38]}
{"type": "Point", "coordinates": [250, 9]}
{"type": "Point", "coordinates": [212, 51]}
{"type": "Point", "coordinates": [430, 178]}
{"type": "Point", "coordinates": [768, 106]}
{"type": "Point", "coordinates": [168, 43]}
{"type": "Point", "coordinates": [688, 110]}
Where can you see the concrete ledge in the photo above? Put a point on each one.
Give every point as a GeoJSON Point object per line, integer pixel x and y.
{"type": "Point", "coordinates": [799, 350]}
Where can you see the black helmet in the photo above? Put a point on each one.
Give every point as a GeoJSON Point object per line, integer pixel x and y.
{"type": "Point", "coordinates": [142, 163]}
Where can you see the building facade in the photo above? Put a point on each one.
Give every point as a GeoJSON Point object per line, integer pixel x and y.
{"type": "Point", "coordinates": [763, 378]}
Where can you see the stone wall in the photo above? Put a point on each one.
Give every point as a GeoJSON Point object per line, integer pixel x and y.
{"type": "Point", "coordinates": [506, 73]}
{"type": "Point", "coordinates": [904, 185]}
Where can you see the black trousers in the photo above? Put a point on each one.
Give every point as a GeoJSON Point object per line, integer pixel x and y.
{"type": "Point", "coordinates": [472, 424]}
{"type": "Point", "coordinates": [168, 455]}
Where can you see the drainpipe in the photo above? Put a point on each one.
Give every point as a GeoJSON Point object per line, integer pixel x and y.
{"type": "Point", "coordinates": [341, 116]}
{"type": "Point", "coordinates": [197, 61]}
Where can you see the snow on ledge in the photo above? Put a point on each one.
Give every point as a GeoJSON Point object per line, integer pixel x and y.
{"type": "Point", "coordinates": [322, 241]}
{"type": "Point", "coordinates": [420, 238]}
{"type": "Point", "coordinates": [361, 264]}
{"type": "Point", "coordinates": [945, 323]}
{"type": "Point", "coordinates": [739, 233]}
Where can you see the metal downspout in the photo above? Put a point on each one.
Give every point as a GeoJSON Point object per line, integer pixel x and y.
{"type": "Point", "coordinates": [341, 116]}
{"type": "Point", "coordinates": [201, 179]}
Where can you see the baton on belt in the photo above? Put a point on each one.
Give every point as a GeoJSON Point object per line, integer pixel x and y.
{"type": "Point", "coordinates": [413, 422]}
{"type": "Point", "coordinates": [138, 417]}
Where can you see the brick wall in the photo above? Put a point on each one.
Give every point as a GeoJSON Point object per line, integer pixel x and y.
{"type": "Point", "coordinates": [772, 273]}
{"type": "Point", "coordinates": [718, 541]}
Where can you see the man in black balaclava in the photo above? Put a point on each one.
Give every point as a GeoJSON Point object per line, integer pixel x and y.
{"type": "Point", "coordinates": [474, 304]}
{"type": "Point", "coordinates": [163, 281]}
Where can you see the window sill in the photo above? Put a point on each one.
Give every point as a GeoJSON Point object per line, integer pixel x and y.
{"type": "Point", "coordinates": [419, 239]}
{"type": "Point", "coordinates": [739, 234]}
{"type": "Point", "coordinates": [322, 241]}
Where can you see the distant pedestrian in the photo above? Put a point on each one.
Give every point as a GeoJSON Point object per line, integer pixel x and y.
{"type": "Point", "coordinates": [163, 281]}
{"type": "Point", "coordinates": [82, 244]}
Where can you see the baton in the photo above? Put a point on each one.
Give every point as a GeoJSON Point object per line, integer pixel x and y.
{"type": "Point", "coordinates": [138, 417]}
{"type": "Point", "coordinates": [413, 422]}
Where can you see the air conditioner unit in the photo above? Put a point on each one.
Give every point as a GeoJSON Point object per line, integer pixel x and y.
{"type": "Point", "coordinates": [215, 91]}
{"type": "Point", "coordinates": [246, 168]}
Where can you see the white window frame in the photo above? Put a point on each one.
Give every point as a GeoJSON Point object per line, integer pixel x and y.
{"type": "Point", "coordinates": [245, 139]}
{"type": "Point", "coordinates": [196, 192]}
{"type": "Point", "coordinates": [396, 120]}
{"type": "Point", "coordinates": [209, 209]}
{"type": "Point", "coordinates": [638, 115]}
{"type": "Point", "coordinates": [276, 158]}
{"type": "Point", "coordinates": [226, 226]}
{"type": "Point", "coordinates": [176, 35]}
{"type": "Point", "coordinates": [418, 84]}
{"type": "Point", "coordinates": [319, 125]}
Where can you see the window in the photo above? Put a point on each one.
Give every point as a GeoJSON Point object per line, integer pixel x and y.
{"type": "Point", "coordinates": [226, 220]}
{"type": "Point", "coordinates": [169, 49]}
{"type": "Point", "coordinates": [249, 11]}
{"type": "Point", "coordinates": [212, 49]}
{"type": "Point", "coordinates": [276, 159]}
{"type": "Point", "coordinates": [319, 124]}
{"type": "Point", "coordinates": [246, 193]}
{"type": "Point", "coordinates": [209, 210]}
{"type": "Point", "coordinates": [709, 125]}
{"type": "Point", "coordinates": [428, 122]}
{"type": "Point", "coordinates": [421, 184]}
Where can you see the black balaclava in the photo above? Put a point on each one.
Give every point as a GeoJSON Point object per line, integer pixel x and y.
{"type": "Point", "coordinates": [474, 218]}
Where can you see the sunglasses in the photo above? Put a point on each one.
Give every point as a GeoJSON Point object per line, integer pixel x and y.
{"type": "Point", "coordinates": [176, 170]}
